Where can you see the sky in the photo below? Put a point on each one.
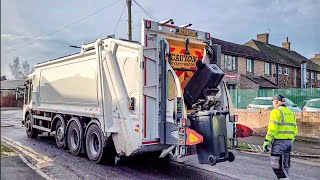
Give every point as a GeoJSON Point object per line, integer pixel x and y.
{"type": "Point", "coordinates": [25, 24]}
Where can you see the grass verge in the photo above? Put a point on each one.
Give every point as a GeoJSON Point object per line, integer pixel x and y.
{"type": "Point", "coordinates": [5, 150]}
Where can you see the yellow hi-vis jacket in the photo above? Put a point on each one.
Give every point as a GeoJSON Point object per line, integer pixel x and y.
{"type": "Point", "coordinates": [282, 124]}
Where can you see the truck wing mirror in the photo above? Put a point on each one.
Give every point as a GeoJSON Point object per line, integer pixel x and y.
{"type": "Point", "coordinates": [18, 93]}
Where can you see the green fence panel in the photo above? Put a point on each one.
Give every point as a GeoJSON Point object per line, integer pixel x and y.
{"type": "Point", "coordinates": [242, 97]}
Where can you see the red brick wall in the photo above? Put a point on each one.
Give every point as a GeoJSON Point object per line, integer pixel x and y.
{"type": "Point", "coordinates": [246, 83]}
{"type": "Point", "coordinates": [317, 81]}
{"type": "Point", "coordinates": [308, 123]}
{"type": "Point", "coordinates": [289, 81]}
{"type": "Point", "coordinates": [259, 70]}
{"type": "Point", "coordinates": [8, 99]}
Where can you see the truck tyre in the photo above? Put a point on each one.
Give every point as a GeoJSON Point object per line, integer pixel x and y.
{"type": "Point", "coordinates": [60, 136]}
{"type": "Point", "coordinates": [94, 143]}
{"type": "Point", "coordinates": [74, 138]}
{"type": "Point", "coordinates": [31, 132]}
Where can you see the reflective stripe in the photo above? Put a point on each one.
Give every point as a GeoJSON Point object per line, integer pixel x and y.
{"type": "Point", "coordinates": [285, 132]}
{"type": "Point", "coordinates": [273, 121]}
{"type": "Point", "coordinates": [282, 115]}
{"type": "Point", "coordinates": [270, 135]}
{"type": "Point", "coordinates": [288, 124]}
{"type": "Point", "coordinates": [282, 120]}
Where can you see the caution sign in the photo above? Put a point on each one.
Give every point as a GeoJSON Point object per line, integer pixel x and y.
{"type": "Point", "coordinates": [182, 60]}
{"type": "Point", "coordinates": [184, 64]}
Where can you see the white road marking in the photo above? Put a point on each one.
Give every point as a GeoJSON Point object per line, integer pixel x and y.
{"type": "Point", "coordinates": [255, 147]}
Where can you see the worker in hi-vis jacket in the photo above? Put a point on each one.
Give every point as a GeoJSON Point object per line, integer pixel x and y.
{"type": "Point", "coordinates": [282, 130]}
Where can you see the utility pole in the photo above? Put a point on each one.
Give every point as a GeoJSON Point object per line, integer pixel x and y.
{"type": "Point", "coordinates": [129, 20]}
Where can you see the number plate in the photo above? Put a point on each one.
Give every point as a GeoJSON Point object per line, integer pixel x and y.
{"type": "Point", "coordinates": [186, 32]}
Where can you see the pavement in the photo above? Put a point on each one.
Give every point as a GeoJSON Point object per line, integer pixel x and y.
{"type": "Point", "coordinates": [60, 164]}
{"type": "Point", "coordinates": [298, 148]}
{"type": "Point", "coordinates": [13, 168]}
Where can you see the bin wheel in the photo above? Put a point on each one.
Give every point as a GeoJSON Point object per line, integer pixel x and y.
{"type": "Point", "coordinates": [231, 157]}
{"type": "Point", "coordinates": [212, 160]}
{"type": "Point", "coordinates": [252, 133]}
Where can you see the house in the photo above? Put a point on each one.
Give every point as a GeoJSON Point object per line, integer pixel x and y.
{"type": "Point", "coordinates": [8, 93]}
{"type": "Point", "coordinates": [291, 66]}
{"type": "Point", "coordinates": [246, 67]}
{"type": "Point", "coordinates": [316, 59]}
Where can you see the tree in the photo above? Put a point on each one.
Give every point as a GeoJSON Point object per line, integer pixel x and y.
{"type": "Point", "coordinates": [19, 70]}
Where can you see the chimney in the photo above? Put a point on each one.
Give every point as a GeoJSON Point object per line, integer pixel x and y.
{"type": "Point", "coordinates": [317, 56]}
{"type": "Point", "coordinates": [287, 44]}
{"type": "Point", "coordinates": [263, 38]}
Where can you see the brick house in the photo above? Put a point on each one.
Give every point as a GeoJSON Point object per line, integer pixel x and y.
{"type": "Point", "coordinates": [246, 67]}
{"type": "Point", "coordinates": [288, 64]}
{"type": "Point", "coordinates": [316, 59]}
{"type": "Point", "coordinates": [8, 93]}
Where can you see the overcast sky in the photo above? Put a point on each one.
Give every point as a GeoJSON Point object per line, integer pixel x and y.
{"type": "Point", "coordinates": [23, 21]}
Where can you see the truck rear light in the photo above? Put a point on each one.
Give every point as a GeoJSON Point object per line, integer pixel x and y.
{"type": "Point", "coordinates": [207, 35]}
{"type": "Point", "coordinates": [148, 24]}
{"type": "Point", "coordinates": [193, 137]}
{"type": "Point", "coordinates": [181, 142]}
{"type": "Point", "coordinates": [184, 122]}
{"type": "Point", "coordinates": [181, 130]}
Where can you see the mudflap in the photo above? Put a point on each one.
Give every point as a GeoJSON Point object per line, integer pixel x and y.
{"type": "Point", "coordinates": [212, 126]}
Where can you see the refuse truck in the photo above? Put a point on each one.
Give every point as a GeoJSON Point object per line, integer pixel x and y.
{"type": "Point", "coordinates": [163, 95]}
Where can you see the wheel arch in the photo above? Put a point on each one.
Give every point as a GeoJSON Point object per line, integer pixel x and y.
{"type": "Point", "coordinates": [93, 121]}
{"type": "Point", "coordinates": [55, 120]}
{"type": "Point", "coordinates": [80, 124]}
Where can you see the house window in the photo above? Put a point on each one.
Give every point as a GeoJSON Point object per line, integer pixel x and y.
{"type": "Point", "coordinates": [286, 71]}
{"type": "Point", "coordinates": [318, 76]}
{"type": "Point", "coordinates": [308, 74]}
{"type": "Point", "coordinates": [229, 63]}
{"type": "Point", "coordinates": [312, 75]}
{"type": "Point", "coordinates": [280, 70]}
{"type": "Point", "coordinates": [249, 66]}
{"type": "Point", "coordinates": [267, 68]}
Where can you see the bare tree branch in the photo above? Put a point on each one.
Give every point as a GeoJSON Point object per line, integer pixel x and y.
{"type": "Point", "coordinates": [19, 71]}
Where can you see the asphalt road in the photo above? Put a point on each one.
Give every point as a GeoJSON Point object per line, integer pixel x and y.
{"type": "Point", "coordinates": [60, 164]}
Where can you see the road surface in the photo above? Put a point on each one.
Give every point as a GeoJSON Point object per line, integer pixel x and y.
{"type": "Point", "coordinates": [60, 164]}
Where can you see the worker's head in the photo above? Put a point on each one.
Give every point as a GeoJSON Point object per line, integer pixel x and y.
{"type": "Point", "coordinates": [278, 100]}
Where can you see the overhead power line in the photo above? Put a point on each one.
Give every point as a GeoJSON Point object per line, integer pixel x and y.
{"type": "Point", "coordinates": [115, 29]}
{"type": "Point", "coordinates": [54, 32]}
{"type": "Point", "coordinates": [145, 11]}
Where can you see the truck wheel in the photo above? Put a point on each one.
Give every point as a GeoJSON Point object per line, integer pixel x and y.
{"type": "Point", "coordinates": [74, 138]}
{"type": "Point", "coordinates": [60, 135]}
{"type": "Point", "coordinates": [94, 143]}
{"type": "Point", "coordinates": [31, 132]}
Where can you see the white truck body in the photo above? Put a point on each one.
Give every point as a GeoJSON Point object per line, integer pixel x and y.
{"type": "Point", "coordinates": [103, 82]}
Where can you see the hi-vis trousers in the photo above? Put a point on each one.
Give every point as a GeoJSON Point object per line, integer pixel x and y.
{"type": "Point", "coordinates": [280, 157]}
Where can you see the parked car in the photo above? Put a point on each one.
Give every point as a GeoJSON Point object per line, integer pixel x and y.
{"type": "Point", "coordinates": [313, 105]}
{"type": "Point", "coordinates": [265, 103]}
